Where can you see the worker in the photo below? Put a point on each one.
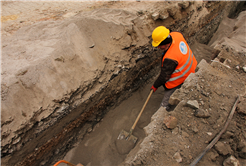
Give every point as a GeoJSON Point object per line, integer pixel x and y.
{"type": "Point", "coordinates": [177, 61]}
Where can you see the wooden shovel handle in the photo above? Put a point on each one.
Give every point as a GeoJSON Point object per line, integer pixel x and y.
{"type": "Point", "coordinates": [136, 121]}
{"type": "Point", "coordinates": [64, 161]}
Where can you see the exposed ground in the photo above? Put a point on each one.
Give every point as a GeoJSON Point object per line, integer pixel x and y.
{"type": "Point", "coordinates": [214, 87]}
{"type": "Point", "coordinates": [65, 65]}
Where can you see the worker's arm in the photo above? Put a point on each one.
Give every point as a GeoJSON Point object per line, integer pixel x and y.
{"type": "Point", "coordinates": [167, 69]}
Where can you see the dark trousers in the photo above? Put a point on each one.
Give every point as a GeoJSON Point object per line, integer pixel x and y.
{"type": "Point", "coordinates": [167, 94]}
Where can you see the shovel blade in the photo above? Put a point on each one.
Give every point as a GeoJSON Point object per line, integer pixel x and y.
{"type": "Point", "coordinates": [127, 136]}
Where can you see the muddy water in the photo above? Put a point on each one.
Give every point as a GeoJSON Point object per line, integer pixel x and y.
{"type": "Point", "coordinates": [99, 147]}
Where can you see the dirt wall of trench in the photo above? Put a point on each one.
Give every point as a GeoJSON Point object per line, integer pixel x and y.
{"type": "Point", "coordinates": [59, 77]}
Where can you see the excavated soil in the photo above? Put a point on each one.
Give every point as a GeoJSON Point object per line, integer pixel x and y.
{"type": "Point", "coordinates": [215, 88]}
{"type": "Point", "coordinates": [202, 107]}
{"type": "Point", "coordinates": [75, 74]}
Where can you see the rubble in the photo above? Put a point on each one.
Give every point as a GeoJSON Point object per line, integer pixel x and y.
{"type": "Point", "coordinates": [231, 161]}
{"type": "Point", "coordinates": [201, 113]}
{"type": "Point", "coordinates": [177, 157]}
{"type": "Point", "coordinates": [213, 155]}
{"type": "Point", "coordinates": [193, 104]}
{"type": "Point", "coordinates": [170, 122]}
{"type": "Point", "coordinates": [223, 148]}
{"type": "Point", "coordinates": [217, 86]}
{"type": "Point", "coordinates": [244, 69]}
{"type": "Point", "coordinates": [242, 153]}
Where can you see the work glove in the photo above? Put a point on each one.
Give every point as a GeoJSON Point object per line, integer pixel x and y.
{"type": "Point", "coordinates": [154, 88]}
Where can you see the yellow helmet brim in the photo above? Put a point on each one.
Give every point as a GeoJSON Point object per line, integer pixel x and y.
{"type": "Point", "coordinates": [154, 44]}
{"type": "Point", "coordinates": [159, 34]}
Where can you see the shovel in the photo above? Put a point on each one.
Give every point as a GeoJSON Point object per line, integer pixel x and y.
{"type": "Point", "coordinates": [128, 135]}
{"type": "Point", "coordinates": [66, 162]}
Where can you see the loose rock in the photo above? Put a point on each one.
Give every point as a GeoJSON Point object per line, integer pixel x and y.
{"type": "Point", "coordinates": [200, 113]}
{"type": "Point", "coordinates": [241, 145]}
{"type": "Point", "coordinates": [177, 157]}
{"type": "Point", "coordinates": [223, 148]}
{"type": "Point", "coordinates": [184, 4]}
{"type": "Point", "coordinates": [171, 122]}
{"type": "Point", "coordinates": [241, 107]}
{"type": "Point", "coordinates": [244, 69]}
{"type": "Point", "coordinates": [242, 154]}
{"type": "Point", "coordinates": [175, 131]}
{"type": "Point", "coordinates": [164, 15]}
{"type": "Point", "coordinates": [155, 16]}
{"type": "Point", "coordinates": [213, 155]}
{"type": "Point", "coordinates": [231, 161]}
{"type": "Point", "coordinates": [227, 135]}
{"type": "Point", "coordinates": [184, 134]}
{"type": "Point", "coordinates": [193, 104]}
{"type": "Point", "coordinates": [194, 129]}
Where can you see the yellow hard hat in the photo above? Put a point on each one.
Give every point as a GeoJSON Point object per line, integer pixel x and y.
{"type": "Point", "coordinates": [159, 34]}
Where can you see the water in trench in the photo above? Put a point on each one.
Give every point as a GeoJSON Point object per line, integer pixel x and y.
{"type": "Point", "coordinates": [99, 147]}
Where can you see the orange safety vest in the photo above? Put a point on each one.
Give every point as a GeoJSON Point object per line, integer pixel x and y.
{"type": "Point", "coordinates": [180, 52]}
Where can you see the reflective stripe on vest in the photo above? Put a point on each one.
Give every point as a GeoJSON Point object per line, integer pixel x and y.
{"type": "Point", "coordinates": [178, 70]}
{"type": "Point", "coordinates": [180, 52]}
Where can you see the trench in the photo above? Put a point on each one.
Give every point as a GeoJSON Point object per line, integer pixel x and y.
{"type": "Point", "coordinates": [92, 141]}
{"type": "Point", "coordinates": [99, 145]}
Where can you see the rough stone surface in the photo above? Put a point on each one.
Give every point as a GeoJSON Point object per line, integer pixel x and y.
{"type": "Point", "coordinates": [244, 69]}
{"type": "Point", "coordinates": [155, 16]}
{"type": "Point", "coordinates": [241, 106]}
{"type": "Point", "coordinates": [242, 153]}
{"type": "Point", "coordinates": [170, 122]}
{"type": "Point", "coordinates": [193, 104]}
{"type": "Point", "coordinates": [177, 157]}
{"type": "Point", "coordinates": [213, 155]}
{"type": "Point", "coordinates": [227, 135]}
{"type": "Point", "coordinates": [241, 145]}
{"type": "Point", "coordinates": [184, 5]}
{"type": "Point", "coordinates": [201, 113]}
{"type": "Point", "coordinates": [223, 148]}
{"type": "Point", "coordinates": [231, 161]}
